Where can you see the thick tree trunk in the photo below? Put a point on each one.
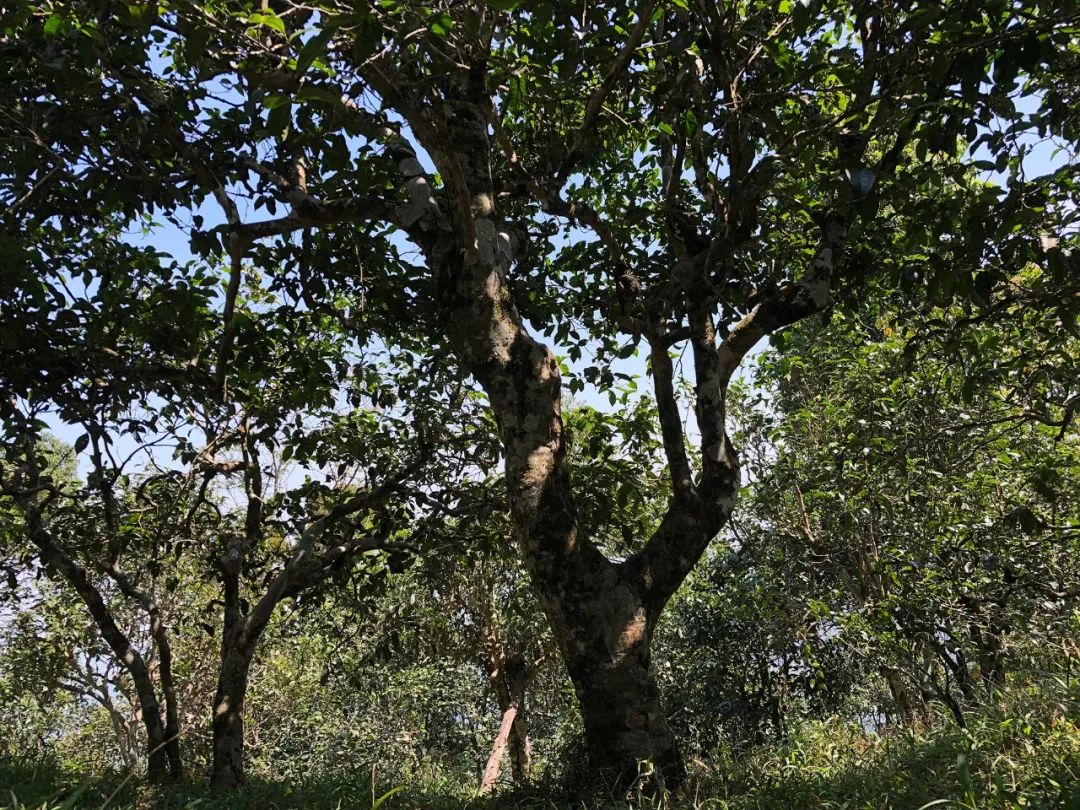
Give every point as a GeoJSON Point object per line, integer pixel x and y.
{"type": "Point", "coordinates": [626, 732]}
{"type": "Point", "coordinates": [596, 608]}
{"type": "Point", "coordinates": [227, 725]}
{"type": "Point", "coordinates": [608, 656]}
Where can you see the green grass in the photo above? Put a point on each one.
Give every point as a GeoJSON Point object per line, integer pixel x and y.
{"type": "Point", "coordinates": [1025, 755]}
{"type": "Point", "coordinates": [53, 789]}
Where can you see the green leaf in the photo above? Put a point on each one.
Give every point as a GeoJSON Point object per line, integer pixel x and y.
{"type": "Point", "coordinates": [690, 123]}
{"type": "Point", "coordinates": [441, 24]}
{"type": "Point", "coordinates": [314, 48]}
{"type": "Point", "coordinates": [314, 93]}
{"type": "Point", "coordinates": [275, 100]}
{"type": "Point", "coordinates": [268, 19]}
{"type": "Point", "coordinates": [280, 118]}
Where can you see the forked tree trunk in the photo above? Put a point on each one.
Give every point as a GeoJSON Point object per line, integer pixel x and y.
{"type": "Point", "coordinates": [596, 608]}
{"type": "Point", "coordinates": [242, 628]}
{"type": "Point", "coordinates": [602, 612]}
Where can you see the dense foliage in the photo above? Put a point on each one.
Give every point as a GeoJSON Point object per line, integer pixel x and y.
{"type": "Point", "coordinates": [420, 402]}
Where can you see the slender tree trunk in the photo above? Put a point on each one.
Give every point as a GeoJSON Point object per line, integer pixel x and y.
{"type": "Point", "coordinates": [900, 695]}
{"type": "Point", "coordinates": [160, 634]}
{"type": "Point", "coordinates": [242, 628]}
{"type": "Point", "coordinates": [126, 739]}
{"type": "Point", "coordinates": [498, 748]}
{"type": "Point", "coordinates": [172, 726]}
{"type": "Point", "coordinates": [168, 692]}
{"type": "Point", "coordinates": [991, 667]}
{"type": "Point", "coordinates": [512, 734]}
{"type": "Point", "coordinates": [239, 634]}
{"type": "Point", "coordinates": [157, 768]}
{"type": "Point", "coordinates": [520, 749]}
{"type": "Point", "coordinates": [954, 706]}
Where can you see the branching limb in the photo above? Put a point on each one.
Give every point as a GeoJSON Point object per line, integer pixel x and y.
{"type": "Point", "coordinates": [785, 305]}
{"type": "Point", "coordinates": [300, 565]}
{"type": "Point", "coordinates": [596, 101]}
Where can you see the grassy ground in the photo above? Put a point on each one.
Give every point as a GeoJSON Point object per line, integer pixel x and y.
{"type": "Point", "coordinates": [1025, 755]}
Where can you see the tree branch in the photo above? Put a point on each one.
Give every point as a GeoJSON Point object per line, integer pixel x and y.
{"type": "Point", "coordinates": [587, 130]}
{"type": "Point", "coordinates": [785, 305]}
{"type": "Point", "coordinates": [670, 420]}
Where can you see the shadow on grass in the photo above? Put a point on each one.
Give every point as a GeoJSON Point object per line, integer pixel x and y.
{"type": "Point", "coordinates": [45, 787]}
{"type": "Point", "coordinates": [828, 767]}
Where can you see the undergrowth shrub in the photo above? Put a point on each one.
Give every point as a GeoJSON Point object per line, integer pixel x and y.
{"type": "Point", "coordinates": [1021, 750]}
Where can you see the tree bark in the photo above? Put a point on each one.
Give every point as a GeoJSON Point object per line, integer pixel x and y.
{"type": "Point", "coordinates": [900, 695]}
{"type": "Point", "coordinates": [157, 764]}
{"type": "Point", "coordinates": [227, 725]}
{"type": "Point", "coordinates": [510, 678]}
{"type": "Point", "coordinates": [609, 660]}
